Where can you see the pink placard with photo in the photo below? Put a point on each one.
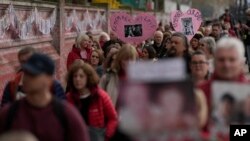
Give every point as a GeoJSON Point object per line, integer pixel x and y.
{"type": "Point", "coordinates": [133, 30]}
{"type": "Point", "coordinates": [188, 23]}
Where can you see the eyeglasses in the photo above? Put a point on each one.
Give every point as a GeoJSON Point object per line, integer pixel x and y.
{"type": "Point", "coordinates": [199, 63]}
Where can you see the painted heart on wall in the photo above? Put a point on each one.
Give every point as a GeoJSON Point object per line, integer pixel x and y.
{"type": "Point", "coordinates": [133, 30]}
{"type": "Point", "coordinates": [188, 23]}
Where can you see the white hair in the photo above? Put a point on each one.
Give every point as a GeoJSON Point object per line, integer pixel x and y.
{"type": "Point", "coordinates": [230, 42]}
{"type": "Point", "coordinates": [210, 43]}
{"type": "Point", "coordinates": [105, 35]}
{"type": "Point", "coordinates": [158, 32]}
{"type": "Point", "coordinates": [80, 38]}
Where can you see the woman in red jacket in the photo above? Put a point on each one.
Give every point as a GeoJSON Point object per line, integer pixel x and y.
{"type": "Point", "coordinates": [81, 50]}
{"type": "Point", "coordinates": [93, 103]}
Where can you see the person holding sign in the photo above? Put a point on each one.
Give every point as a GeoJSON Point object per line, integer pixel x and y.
{"type": "Point", "coordinates": [229, 65]}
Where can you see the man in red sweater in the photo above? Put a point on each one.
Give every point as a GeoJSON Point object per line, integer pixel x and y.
{"type": "Point", "coordinates": [229, 63]}
{"type": "Point", "coordinates": [39, 113]}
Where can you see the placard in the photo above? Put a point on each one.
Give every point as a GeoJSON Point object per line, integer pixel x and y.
{"type": "Point", "coordinates": [187, 23]}
{"type": "Point", "coordinates": [132, 30]}
{"type": "Point", "coordinates": [160, 71]}
{"type": "Point", "coordinates": [158, 111]}
{"type": "Point", "coordinates": [230, 105]}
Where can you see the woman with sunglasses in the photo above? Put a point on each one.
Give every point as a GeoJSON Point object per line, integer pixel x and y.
{"type": "Point", "coordinates": [96, 61]}
{"type": "Point", "coordinates": [81, 50]}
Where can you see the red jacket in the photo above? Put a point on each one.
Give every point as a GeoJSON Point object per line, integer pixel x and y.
{"type": "Point", "coordinates": [104, 116]}
{"type": "Point", "coordinates": [76, 54]}
{"type": "Point", "coordinates": [206, 87]}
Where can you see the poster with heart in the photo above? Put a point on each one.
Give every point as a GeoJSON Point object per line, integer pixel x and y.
{"type": "Point", "coordinates": [188, 23]}
{"type": "Point", "coordinates": [133, 30]}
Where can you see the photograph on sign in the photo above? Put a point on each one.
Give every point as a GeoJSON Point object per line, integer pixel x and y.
{"type": "Point", "coordinates": [187, 23]}
{"type": "Point", "coordinates": [158, 110]}
{"type": "Point", "coordinates": [133, 30]}
{"type": "Point", "coordinates": [187, 26]}
{"type": "Point", "coordinates": [230, 105]}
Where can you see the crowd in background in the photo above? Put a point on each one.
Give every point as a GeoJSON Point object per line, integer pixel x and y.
{"type": "Point", "coordinates": [87, 109]}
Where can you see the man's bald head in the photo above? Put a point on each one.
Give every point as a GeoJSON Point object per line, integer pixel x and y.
{"type": "Point", "coordinates": [158, 37]}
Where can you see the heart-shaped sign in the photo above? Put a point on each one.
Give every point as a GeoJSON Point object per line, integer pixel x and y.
{"type": "Point", "coordinates": [188, 23]}
{"type": "Point", "coordinates": [132, 30]}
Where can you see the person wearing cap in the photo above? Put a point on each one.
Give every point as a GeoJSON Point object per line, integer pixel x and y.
{"type": "Point", "coordinates": [13, 90]}
{"type": "Point", "coordinates": [39, 112]}
{"type": "Point", "coordinates": [195, 42]}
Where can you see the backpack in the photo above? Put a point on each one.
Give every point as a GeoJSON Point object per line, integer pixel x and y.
{"type": "Point", "coordinates": [58, 108]}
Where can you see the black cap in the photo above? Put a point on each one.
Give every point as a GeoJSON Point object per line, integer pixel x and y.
{"type": "Point", "coordinates": [39, 64]}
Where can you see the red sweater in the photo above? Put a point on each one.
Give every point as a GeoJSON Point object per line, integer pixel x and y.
{"type": "Point", "coordinates": [76, 54]}
{"type": "Point", "coordinates": [44, 124]}
{"type": "Point", "coordinates": [102, 113]}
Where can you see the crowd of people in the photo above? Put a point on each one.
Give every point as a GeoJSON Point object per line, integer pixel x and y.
{"type": "Point", "coordinates": [87, 108]}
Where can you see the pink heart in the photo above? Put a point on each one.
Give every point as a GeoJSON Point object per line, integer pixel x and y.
{"type": "Point", "coordinates": [188, 23]}
{"type": "Point", "coordinates": [132, 30]}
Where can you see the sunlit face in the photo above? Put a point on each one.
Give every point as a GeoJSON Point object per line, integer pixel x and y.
{"type": "Point", "coordinates": [228, 63]}
{"type": "Point", "coordinates": [194, 43]}
{"type": "Point", "coordinates": [145, 54]}
{"type": "Point", "coordinates": [199, 66]}
{"type": "Point", "coordinates": [80, 80]}
{"type": "Point", "coordinates": [95, 58]}
{"type": "Point", "coordinates": [34, 84]}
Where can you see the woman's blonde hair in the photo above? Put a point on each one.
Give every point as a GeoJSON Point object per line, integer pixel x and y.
{"type": "Point", "coordinates": [127, 52]}
{"type": "Point", "coordinates": [80, 38]}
